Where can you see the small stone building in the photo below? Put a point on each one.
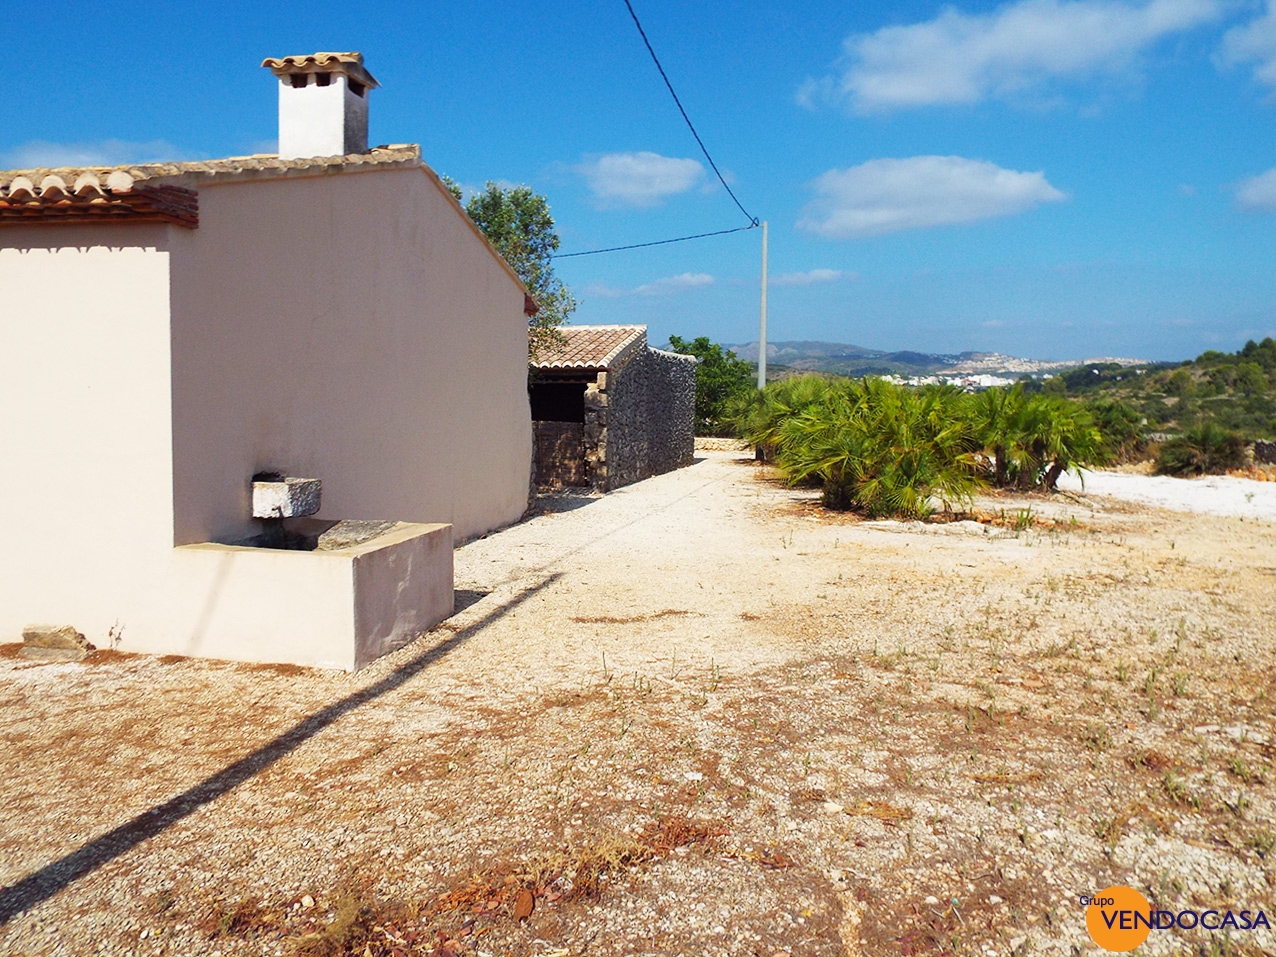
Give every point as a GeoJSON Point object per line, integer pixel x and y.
{"type": "Point", "coordinates": [608, 410]}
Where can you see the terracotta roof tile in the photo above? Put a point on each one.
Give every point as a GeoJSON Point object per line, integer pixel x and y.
{"type": "Point", "coordinates": [593, 347]}
{"type": "Point", "coordinates": [88, 198]}
{"type": "Point", "coordinates": [234, 168]}
{"type": "Point", "coordinates": [351, 64]}
{"type": "Point", "coordinates": [18, 188]}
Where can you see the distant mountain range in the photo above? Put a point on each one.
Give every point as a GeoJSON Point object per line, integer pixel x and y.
{"type": "Point", "coordinates": [842, 358]}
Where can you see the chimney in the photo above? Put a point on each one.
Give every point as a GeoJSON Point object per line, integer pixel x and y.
{"type": "Point", "coordinates": [323, 104]}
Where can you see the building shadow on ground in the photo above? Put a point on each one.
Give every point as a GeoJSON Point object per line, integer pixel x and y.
{"type": "Point", "coordinates": [463, 598]}
{"type": "Point", "coordinates": [54, 877]}
{"type": "Point", "coordinates": [552, 501]}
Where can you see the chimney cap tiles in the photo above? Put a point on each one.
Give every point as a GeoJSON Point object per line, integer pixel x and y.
{"type": "Point", "coordinates": [350, 64]}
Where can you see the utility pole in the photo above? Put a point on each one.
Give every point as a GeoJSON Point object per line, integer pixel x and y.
{"type": "Point", "coordinates": [762, 325]}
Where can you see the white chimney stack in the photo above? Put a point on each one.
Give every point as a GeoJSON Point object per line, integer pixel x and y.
{"type": "Point", "coordinates": [323, 104]}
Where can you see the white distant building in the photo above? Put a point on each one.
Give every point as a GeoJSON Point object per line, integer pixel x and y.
{"type": "Point", "coordinates": [971, 383]}
{"type": "Point", "coordinates": [171, 330]}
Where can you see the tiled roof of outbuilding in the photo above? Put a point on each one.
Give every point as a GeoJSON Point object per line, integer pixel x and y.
{"type": "Point", "coordinates": [592, 347]}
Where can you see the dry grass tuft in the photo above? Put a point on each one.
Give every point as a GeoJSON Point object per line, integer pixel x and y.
{"type": "Point", "coordinates": [579, 872]}
{"type": "Point", "coordinates": [1008, 779]}
{"type": "Point", "coordinates": [884, 812]}
{"type": "Point", "coordinates": [1153, 760]}
{"type": "Point", "coordinates": [243, 918]}
{"type": "Point", "coordinates": [675, 831]}
{"type": "Point", "coordinates": [282, 669]}
{"type": "Point", "coordinates": [633, 619]}
{"type": "Point", "coordinates": [355, 915]}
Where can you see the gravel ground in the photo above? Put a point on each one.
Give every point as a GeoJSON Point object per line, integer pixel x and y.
{"type": "Point", "coordinates": [699, 716]}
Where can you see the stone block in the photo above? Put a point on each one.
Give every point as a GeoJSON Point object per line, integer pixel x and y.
{"type": "Point", "coordinates": [62, 637]}
{"type": "Point", "coordinates": [350, 532]}
{"type": "Point", "coordinates": [54, 643]}
{"type": "Point", "coordinates": [286, 498]}
{"type": "Point", "coordinates": [36, 653]}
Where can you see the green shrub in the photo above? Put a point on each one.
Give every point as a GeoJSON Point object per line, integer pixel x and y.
{"type": "Point", "coordinates": [1120, 429]}
{"type": "Point", "coordinates": [885, 449]}
{"type": "Point", "coordinates": [1031, 439]}
{"type": "Point", "coordinates": [758, 415]}
{"type": "Point", "coordinates": [872, 446]}
{"type": "Point", "coordinates": [1206, 449]}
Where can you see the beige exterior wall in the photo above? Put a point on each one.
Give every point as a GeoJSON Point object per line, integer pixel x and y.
{"type": "Point", "coordinates": [354, 329]}
{"type": "Point", "coordinates": [350, 328]}
{"type": "Point", "coordinates": [85, 425]}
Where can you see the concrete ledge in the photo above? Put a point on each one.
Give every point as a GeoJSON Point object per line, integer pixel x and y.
{"type": "Point", "coordinates": [338, 608]}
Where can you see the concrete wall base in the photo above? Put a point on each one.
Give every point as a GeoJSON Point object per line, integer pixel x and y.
{"type": "Point", "coordinates": [340, 608]}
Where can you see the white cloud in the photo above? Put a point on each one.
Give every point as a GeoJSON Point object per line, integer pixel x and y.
{"type": "Point", "coordinates": [961, 58]}
{"type": "Point", "coordinates": [665, 286]}
{"type": "Point", "coordinates": [672, 284]}
{"type": "Point", "coordinates": [603, 291]}
{"type": "Point", "coordinates": [40, 154]}
{"type": "Point", "coordinates": [889, 195]}
{"type": "Point", "coordinates": [1258, 192]}
{"type": "Point", "coordinates": [808, 278]}
{"type": "Point", "coordinates": [639, 179]}
{"type": "Point", "coordinates": [1253, 42]}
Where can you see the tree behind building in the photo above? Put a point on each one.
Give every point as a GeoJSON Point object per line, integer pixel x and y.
{"type": "Point", "coordinates": [721, 379]}
{"type": "Point", "coordinates": [517, 222]}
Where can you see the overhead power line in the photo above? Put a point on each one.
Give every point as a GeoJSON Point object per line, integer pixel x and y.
{"type": "Point", "coordinates": [658, 242]}
{"type": "Point", "coordinates": [753, 220]}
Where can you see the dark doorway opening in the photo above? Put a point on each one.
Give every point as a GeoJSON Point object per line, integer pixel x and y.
{"type": "Point", "coordinates": [558, 401]}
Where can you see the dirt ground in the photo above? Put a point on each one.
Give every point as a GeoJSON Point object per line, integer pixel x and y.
{"type": "Point", "coordinates": [695, 716]}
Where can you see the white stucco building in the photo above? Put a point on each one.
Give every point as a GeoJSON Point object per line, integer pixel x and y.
{"type": "Point", "coordinates": [168, 331]}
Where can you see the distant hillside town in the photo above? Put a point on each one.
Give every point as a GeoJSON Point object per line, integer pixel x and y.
{"type": "Point", "coordinates": [966, 369]}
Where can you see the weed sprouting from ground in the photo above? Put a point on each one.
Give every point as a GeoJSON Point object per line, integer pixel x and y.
{"type": "Point", "coordinates": [355, 920]}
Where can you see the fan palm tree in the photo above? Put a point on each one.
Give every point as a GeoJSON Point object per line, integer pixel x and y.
{"type": "Point", "coordinates": [1048, 436]}
{"type": "Point", "coordinates": [993, 413]}
{"type": "Point", "coordinates": [883, 449]}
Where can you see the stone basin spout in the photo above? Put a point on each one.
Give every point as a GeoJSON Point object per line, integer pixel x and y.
{"type": "Point", "coordinates": [276, 496]}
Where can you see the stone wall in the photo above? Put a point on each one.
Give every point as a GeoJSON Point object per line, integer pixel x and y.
{"type": "Point", "coordinates": [671, 404]}
{"type": "Point", "coordinates": [560, 453]}
{"type": "Point", "coordinates": [639, 421]}
{"type": "Point", "coordinates": [1265, 452]}
{"type": "Point", "coordinates": [643, 418]}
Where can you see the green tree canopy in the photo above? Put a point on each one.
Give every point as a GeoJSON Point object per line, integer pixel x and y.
{"type": "Point", "coordinates": [721, 379]}
{"type": "Point", "coordinates": [517, 222]}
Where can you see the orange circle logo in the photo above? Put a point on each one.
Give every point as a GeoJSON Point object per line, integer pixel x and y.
{"type": "Point", "coordinates": [1119, 918]}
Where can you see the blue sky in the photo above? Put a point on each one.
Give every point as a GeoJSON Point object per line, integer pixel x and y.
{"type": "Point", "coordinates": [1049, 178]}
